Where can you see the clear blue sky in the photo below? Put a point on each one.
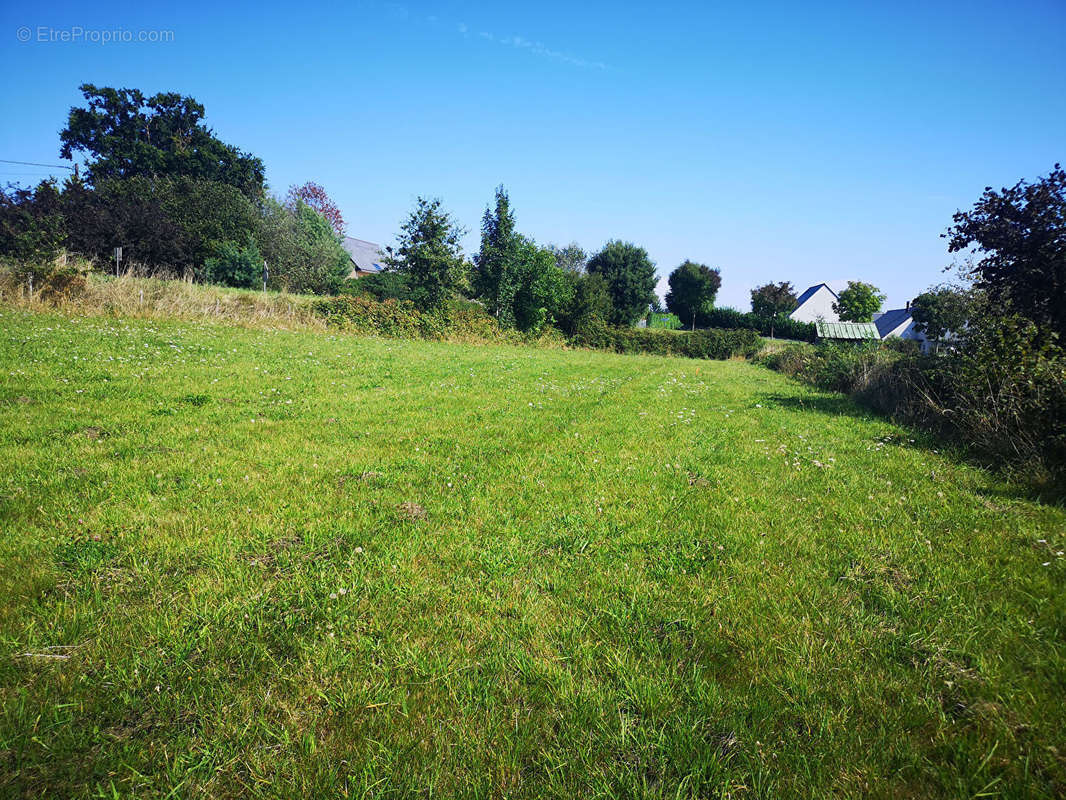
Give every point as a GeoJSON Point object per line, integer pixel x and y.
{"type": "Point", "coordinates": [791, 141]}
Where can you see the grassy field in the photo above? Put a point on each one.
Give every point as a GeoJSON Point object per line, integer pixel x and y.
{"type": "Point", "coordinates": [240, 562]}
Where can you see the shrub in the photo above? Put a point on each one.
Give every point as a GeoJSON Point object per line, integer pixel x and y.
{"type": "Point", "coordinates": [716, 344]}
{"type": "Point", "coordinates": [236, 266]}
{"type": "Point", "coordinates": [781, 327]}
{"type": "Point", "coordinates": [1003, 393]}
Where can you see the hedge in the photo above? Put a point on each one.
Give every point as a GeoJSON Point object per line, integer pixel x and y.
{"type": "Point", "coordinates": [779, 327]}
{"type": "Point", "coordinates": [707, 343]}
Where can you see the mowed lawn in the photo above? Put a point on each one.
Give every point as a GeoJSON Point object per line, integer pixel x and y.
{"type": "Point", "coordinates": [239, 562]}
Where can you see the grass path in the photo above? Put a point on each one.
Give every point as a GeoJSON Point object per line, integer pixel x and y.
{"type": "Point", "coordinates": [256, 563]}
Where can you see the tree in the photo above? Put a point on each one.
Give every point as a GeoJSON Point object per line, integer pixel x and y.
{"type": "Point", "coordinates": [494, 279]}
{"type": "Point", "coordinates": [693, 288]}
{"type": "Point", "coordinates": [859, 302]}
{"type": "Point", "coordinates": [541, 286]}
{"type": "Point", "coordinates": [571, 258]}
{"type": "Point", "coordinates": [31, 230]}
{"type": "Point", "coordinates": [1020, 234]}
{"type": "Point", "coordinates": [630, 277]}
{"type": "Point", "coordinates": [942, 310]}
{"type": "Point", "coordinates": [773, 299]}
{"type": "Point", "coordinates": [127, 134]}
{"type": "Point", "coordinates": [240, 267]}
{"type": "Point", "coordinates": [428, 252]}
{"type": "Point", "coordinates": [315, 196]}
{"type": "Point", "coordinates": [587, 296]}
{"type": "Point", "coordinates": [300, 248]}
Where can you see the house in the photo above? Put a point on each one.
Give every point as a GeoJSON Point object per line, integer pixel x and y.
{"type": "Point", "coordinates": [366, 257]}
{"type": "Point", "coordinates": [817, 302]}
{"type": "Point", "coordinates": [899, 322]}
{"type": "Point", "coordinates": [846, 331]}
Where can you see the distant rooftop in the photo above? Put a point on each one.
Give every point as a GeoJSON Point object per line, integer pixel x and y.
{"type": "Point", "coordinates": [366, 256]}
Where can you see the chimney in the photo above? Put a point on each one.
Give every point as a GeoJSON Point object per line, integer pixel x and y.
{"type": "Point", "coordinates": [908, 305]}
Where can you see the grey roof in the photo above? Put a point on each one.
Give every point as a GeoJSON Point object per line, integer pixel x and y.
{"type": "Point", "coordinates": [365, 256]}
{"type": "Point", "coordinates": [890, 320]}
{"type": "Point", "coordinates": [847, 330]}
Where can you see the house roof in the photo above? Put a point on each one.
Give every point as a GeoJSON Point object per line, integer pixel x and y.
{"type": "Point", "coordinates": [847, 330]}
{"type": "Point", "coordinates": [836, 287]}
{"type": "Point", "coordinates": [366, 256]}
{"type": "Point", "coordinates": [890, 320]}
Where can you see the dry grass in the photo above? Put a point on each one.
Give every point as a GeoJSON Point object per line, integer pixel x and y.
{"type": "Point", "coordinates": [83, 292]}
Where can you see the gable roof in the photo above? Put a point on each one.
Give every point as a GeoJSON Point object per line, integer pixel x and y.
{"type": "Point", "coordinates": [847, 330]}
{"type": "Point", "coordinates": [890, 320]}
{"type": "Point", "coordinates": [366, 256]}
{"type": "Point", "coordinates": [835, 287]}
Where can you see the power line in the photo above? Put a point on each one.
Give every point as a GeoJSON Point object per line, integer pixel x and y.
{"type": "Point", "coordinates": [35, 164]}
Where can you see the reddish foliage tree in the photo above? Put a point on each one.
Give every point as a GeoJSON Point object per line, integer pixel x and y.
{"type": "Point", "coordinates": [315, 196]}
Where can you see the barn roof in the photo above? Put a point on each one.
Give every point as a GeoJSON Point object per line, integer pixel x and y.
{"type": "Point", "coordinates": [847, 330]}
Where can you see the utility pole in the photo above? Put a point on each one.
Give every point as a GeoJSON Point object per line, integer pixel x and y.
{"type": "Point", "coordinates": [118, 258]}
{"type": "Point", "coordinates": [266, 274]}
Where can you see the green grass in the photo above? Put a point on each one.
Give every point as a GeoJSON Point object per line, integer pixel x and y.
{"type": "Point", "coordinates": [283, 564]}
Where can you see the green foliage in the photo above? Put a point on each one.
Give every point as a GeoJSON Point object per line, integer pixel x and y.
{"type": "Point", "coordinates": [571, 258]}
{"type": "Point", "coordinates": [236, 266]}
{"type": "Point", "coordinates": [301, 249]}
{"type": "Point", "coordinates": [778, 327]}
{"type": "Point", "coordinates": [630, 277]}
{"type": "Point", "coordinates": [859, 302]}
{"type": "Point", "coordinates": [32, 231]}
{"type": "Point", "coordinates": [773, 300]}
{"type": "Point", "coordinates": [710, 343]}
{"type": "Point", "coordinates": [669, 322]}
{"type": "Point", "coordinates": [494, 278]}
{"type": "Point", "coordinates": [385, 285]}
{"type": "Point", "coordinates": [429, 254]}
{"type": "Point", "coordinates": [588, 297]}
{"type": "Point", "coordinates": [128, 135]}
{"type": "Point", "coordinates": [1001, 393]}
{"type": "Point", "coordinates": [541, 288]}
{"type": "Point", "coordinates": [941, 311]}
{"type": "Point", "coordinates": [1019, 233]}
{"type": "Point", "coordinates": [693, 288]}
{"type": "Point", "coordinates": [403, 319]}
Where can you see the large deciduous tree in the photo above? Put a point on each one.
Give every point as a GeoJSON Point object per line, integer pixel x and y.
{"type": "Point", "coordinates": [127, 134]}
{"type": "Point", "coordinates": [859, 302]}
{"type": "Point", "coordinates": [630, 277]}
{"type": "Point", "coordinates": [773, 299]}
{"type": "Point", "coordinates": [1019, 234]}
{"type": "Point", "coordinates": [316, 197]}
{"type": "Point", "coordinates": [428, 252]}
{"type": "Point", "coordinates": [693, 288]}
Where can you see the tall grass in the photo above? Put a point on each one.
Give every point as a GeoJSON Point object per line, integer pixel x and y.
{"type": "Point", "coordinates": [75, 290]}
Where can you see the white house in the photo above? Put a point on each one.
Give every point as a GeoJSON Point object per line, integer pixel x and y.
{"type": "Point", "coordinates": [816, 304]}
{"type": "Point", "coordinates": [899, 322]}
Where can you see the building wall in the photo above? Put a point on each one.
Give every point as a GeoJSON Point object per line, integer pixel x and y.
{"type": "Point", "coordinates": [819, 306]}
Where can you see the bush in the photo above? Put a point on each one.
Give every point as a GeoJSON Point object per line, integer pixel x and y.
{"type": "Point", "coordinates": [235, 266]}
{"type": "Point", "coordinates": [716, 344]}
{"type": "Point", "coordinates": [402, 319]}
{"type": "Point", "coordinates": [780, 327]}
{"type": "Point", "coordinates": [1003, 393]}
